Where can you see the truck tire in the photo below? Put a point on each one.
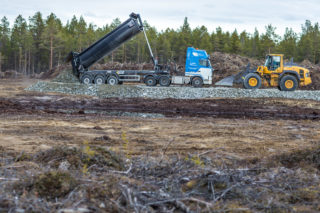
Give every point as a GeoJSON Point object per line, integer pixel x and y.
{"type": "Point", "coordinates": [288, 83]}
{"type": "Point", "coordinates": [252, 81]}
{"type": "Point", "coordinates": [99, 79]}
{"type": "Point", "coordinates": [150, 81]}
{"type": "Point", "coordinates": [197, 82]}
{"type": "Point", "coordinates": [112, 80]}
{"type": "Point", "coordinates": [164, 81]}
{"type": "Point", "coordinates": [86, 79]}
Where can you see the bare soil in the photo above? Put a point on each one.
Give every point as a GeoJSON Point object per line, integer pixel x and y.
{"type": "Point", "coordinates": [201, 155]}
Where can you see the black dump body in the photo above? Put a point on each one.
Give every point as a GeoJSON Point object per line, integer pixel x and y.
{"type": "Point", "coordinates": [82, 61]}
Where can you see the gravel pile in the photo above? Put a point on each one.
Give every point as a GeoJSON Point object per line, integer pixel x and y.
{"type": "Point", "coordinates": [66, 76]}
{"type": "Point", "coordinates": [176, 92]}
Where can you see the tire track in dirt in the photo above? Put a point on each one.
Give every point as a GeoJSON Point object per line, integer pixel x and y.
{"type": "Point", "coordinates": [218, 108]}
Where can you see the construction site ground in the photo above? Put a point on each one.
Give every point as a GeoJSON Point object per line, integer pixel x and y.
{"type": "Point", "coordinates": [240, 133]}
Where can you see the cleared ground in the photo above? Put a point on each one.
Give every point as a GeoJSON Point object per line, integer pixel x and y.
{"type": "Point", "coordinates": [247, 132]}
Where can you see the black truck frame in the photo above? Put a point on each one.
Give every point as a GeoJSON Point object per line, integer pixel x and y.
{"type": "Point", "coordinates": [128, 29]}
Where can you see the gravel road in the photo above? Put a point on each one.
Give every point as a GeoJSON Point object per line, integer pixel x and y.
{"type": "Point", "coordinates": [176, 92]}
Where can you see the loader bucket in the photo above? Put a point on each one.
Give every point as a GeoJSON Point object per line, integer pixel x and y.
{"type": "Point", "coordinates": [228, 81]}
{"type": "Point", "coordinates": [235, 79]}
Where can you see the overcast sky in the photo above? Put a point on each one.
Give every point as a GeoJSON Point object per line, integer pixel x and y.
{"type": "Point", "coordinates": [229, 14]}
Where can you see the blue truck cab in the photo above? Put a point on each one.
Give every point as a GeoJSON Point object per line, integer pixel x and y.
{"type": "Point", "coordinates": [198, 65]}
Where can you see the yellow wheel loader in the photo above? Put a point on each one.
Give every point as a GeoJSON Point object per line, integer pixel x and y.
{"type": "Point", "coordinates": [274, 73]}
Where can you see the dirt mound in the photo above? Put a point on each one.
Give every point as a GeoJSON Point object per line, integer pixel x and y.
{"type": "Point", "coordinates": [65, 76]}
{"type": "Point", "coordinates": [123, 66]}
{"type": "Point", "coordinates": [72, 158]}
{"type": "Point", "coordinates": [54, 72]}
{"type": "Point", "coordinates": [229, 64]}
{"type": "Point", "coordinates": [55, 184]}
{"type": "Point", "coordinates": [301, 158]}
{"type": "Point", "coordinates": [315, 75]}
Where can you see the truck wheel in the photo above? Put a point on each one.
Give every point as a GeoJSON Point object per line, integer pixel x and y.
{"type": "Point", "coordinates": [150, 81]}
{"type": "Point", "coordinates": [112, 80]}
{"type": "Point", "coordinates": [252, 81]}
{"type": "Point", "coordinates": [288, 83]}
{"type": "Point", "coordinates": [197, 82]}
{"type": "Point", "coordinates": [86, 79]}
{"type": "Point", "coordinates": [99, 79]}
{"type": "Point", "coordinates": [164, 81]}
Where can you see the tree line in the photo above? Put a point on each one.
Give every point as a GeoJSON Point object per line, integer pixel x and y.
{"type": "Point", "coordinates": [38, 44]}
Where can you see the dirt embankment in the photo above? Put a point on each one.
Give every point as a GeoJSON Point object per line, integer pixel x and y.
{"type": "Point", "coordinates": [229, 64]}
{"type": "Point", "coordinates": [222, 108]}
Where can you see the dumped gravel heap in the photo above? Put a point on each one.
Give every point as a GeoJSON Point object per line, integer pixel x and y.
{"type": "Point", "coordinates": [141, 91]}
{"type": "Point", "coordinates": [66, 76]}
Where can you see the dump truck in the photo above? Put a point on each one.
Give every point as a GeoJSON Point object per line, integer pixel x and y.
{"type": "Point", "coordinates": [274, 73]}
{"type": "Point", "coordinates": [198, 70]}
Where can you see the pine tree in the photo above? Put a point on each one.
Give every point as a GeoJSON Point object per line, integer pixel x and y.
{"type": "Point", "coordinates": [36, 27]}
{"type": "Point", "coordinates": [219, 41]}
{"type": "Point", "coordinates": [235, 43]}
{"type": "Point", "coordinates": [269, 40]}
{"type": "Point", "coordinates": [18, 42]}
{"type": "Point", "coordinates": [288, 44]}
{"type": "Point", "coordinates": [184, 40]}
{"type": "Point", "coordinates": [52, 36]}
{"type": "Point", "coordinates": [255, 45]}
{"type": "Point", "coordinates": [81, 30]}
{"type": "Point", "coordinates": [4, 42]}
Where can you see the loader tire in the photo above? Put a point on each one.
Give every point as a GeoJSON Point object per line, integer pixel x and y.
{"type": "Point", "coordinates": [164, 81]}
{"type": "Point", "coordinates": [86, 79]}
{"type": "Point", "coordinates": [252, 81]}
{"type": "Point", "coordinates": [288, 83]}
{"type": "Point", "coordinates": [197, 82]}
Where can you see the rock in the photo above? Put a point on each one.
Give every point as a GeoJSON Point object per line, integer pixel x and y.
{"type": "Point", "coordinates": [64, 166]}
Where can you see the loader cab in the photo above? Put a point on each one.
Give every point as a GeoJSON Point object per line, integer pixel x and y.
{"type": "Point", "coordinates": [274, 63]}
{"type": "Point", "coordinates": [198, 64]}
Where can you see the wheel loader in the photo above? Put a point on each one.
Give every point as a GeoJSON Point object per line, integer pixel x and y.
{"type": "Point", "coordinates": [274, 73]}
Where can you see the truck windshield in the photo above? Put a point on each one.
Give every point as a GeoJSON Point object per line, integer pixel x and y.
{"type": "Point", "coordinates": [205, 63]}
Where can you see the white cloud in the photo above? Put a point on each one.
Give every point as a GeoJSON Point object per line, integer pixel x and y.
{"type": "Point", "coordinates": [229, 14]}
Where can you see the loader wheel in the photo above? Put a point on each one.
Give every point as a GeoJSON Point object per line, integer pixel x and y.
{"type": "Point", "coordinates": [112, 80]}
{"type": "Point", "coordinates": [197, 82]}
{"type": "Point", "coordinates": [150, 81]}
{"type": "Point", "coordinates": [86, 79]}
{"type": "Point", "coordinates": [288, 83]}
{"type": "Point", "coordinates": [164, 81]}
{"type": "Point", "coordinates": [99, 80]}
{"type": "Point", "coordinates": [252, 81]}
